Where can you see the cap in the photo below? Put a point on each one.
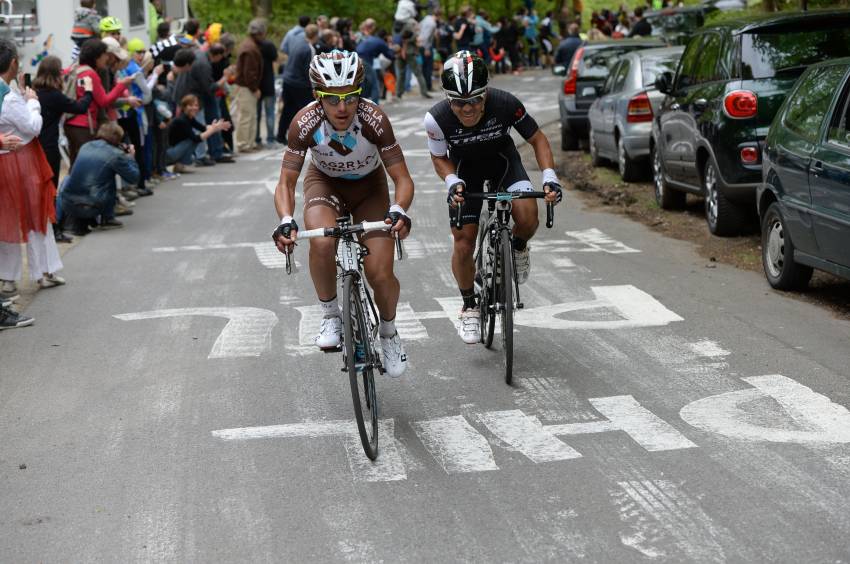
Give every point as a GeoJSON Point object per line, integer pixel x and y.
{"type": "Point", "coordinates": [113, 47]}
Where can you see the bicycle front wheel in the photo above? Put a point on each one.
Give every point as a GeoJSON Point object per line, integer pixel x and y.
{"type": "Point", "coordinates": [487, 298]}
{"type": "Point", "coordinates": [506, 297]}
{"type": "Point", "coordinates": [360, 362]}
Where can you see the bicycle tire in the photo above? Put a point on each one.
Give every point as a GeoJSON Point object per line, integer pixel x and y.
{"type": "Point", "coordinates": [506, 296]}
{"type": "Point", "coordinates": [488, 293]}
{"type": "Point", "coordinates": [363, 393]}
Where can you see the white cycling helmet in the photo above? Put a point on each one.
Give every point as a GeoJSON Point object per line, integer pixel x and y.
{"type": "Point", "coordinates": [337, 68]}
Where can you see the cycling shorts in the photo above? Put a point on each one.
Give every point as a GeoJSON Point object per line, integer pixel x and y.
{"type": "Point", "coordinates": [367, 198]}
{"type": "Point", "coordinates": [503, 171]}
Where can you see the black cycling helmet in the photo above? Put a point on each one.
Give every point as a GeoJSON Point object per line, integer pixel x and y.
{"type": "Point", "coordinates": [464, 75]}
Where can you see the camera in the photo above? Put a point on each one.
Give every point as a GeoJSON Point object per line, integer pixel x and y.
{"type": "Point", "coordinates": [124, 147]}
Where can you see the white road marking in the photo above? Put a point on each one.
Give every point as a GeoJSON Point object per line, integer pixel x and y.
{"type": "Point", "coordinates": [388, 467]}
{"type": "Point", "coordinates": [709, 349]}
{"type": "Point", "coordinates": [625, 414]}
{"type": "Point", "coordinates": [456, 445]}
{"type": "Point", "coordinates": [246, 334]}
{"type": "Point", "coordinates": [733, 414]}
{"type": "Point", "coordinates": [635, 307]}
{"type": "Point", "coordinates": [224, 183]}
{"type": "Point", "coordinates": [266, 252]}
{"type": "Point", "coordinates": [527, 435]}
{"type": "Point", "coordinates": [597, 241]}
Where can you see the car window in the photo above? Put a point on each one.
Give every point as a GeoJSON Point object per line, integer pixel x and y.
{"type": "Point", "coordinates": [690, 59]}
{"type": "Point", "coordinates": [598, 63]}
{"type": "Point", "coordinates": [609, 82]}
{"type": "Point", "coordinates": [622, 74]}
{"type": "Point", "coordinates": [651, 68]}
{"type": "Point", "coordinates": [706, 69]}
{"type": "Point", "coordinates": [788, 53]}
{"type": "Point", "coordinates": [839, 129]}
{"type": "Point", "coordinates": [810, 102]}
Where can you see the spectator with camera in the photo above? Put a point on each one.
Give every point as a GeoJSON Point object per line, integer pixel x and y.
{"type": "Point", "coordinates": [27, 193]}
{"type": "Point", "coordinates": [90, 191]}
{"type": "Point", "coordinates": [94, 57]}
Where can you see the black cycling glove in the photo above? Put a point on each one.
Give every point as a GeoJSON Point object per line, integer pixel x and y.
{"type": "Point", "coordinates": [555, 187]}
{"type": "Point", "coordinates": [396, 213]}
{"type": "Point", "coordinates": [285, 229]}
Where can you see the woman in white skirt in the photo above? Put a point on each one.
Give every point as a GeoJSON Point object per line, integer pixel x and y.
{"type": "Point", "coordinates": [27, 192]}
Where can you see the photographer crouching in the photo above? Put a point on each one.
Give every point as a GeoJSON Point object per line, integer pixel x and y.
{"type": "Point", "coordinates": [89, 191]}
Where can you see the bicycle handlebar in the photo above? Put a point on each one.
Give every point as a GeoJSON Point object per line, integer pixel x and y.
{"type": "Point", "coordinates": [363, 227]}
{"type": "Point", "coordinates": [550, 207]}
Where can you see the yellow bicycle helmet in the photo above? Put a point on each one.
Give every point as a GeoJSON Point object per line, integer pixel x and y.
{"type": "Point", "coordinates": [109, 24]}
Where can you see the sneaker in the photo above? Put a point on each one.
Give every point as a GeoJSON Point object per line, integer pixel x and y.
{"type": "Point", "coordinates": [129, 194]}
{"type": "Point", "coordinates": [121, 209]}
{"type": "Point", "coordinates": [166, 176]}
{"type": "Point", "coordinates": [395, 359]}
{"type": "Point", "coordinates": [522, 261]}
{"type": "Point", "coordinates": [224, 159]}
{"type": "Point", "coordinates": [50, 280]}
{"type": "Point", "coordinates": [144, 192]}
{"type": "Point", "coordinates": [206, 161]}
{"type": "Point", "coordinates": [62, 237]}
{"type": "Point", "coordinates": [112, 223]}
{"type": "Point", "coordinates": [470, 326]}
{"type": "Point", "coordinates": [330, 333]}
{"type": "Point", "coordinates": [7, 302]}
{"type": "Point", "coordinates": [12, 320]}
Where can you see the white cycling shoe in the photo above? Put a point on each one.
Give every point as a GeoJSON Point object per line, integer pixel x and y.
{"type": "Point", "coordinates": [395, 359]}
{"type": "Point", "coordinates": [470, 326]}
{"type": "Point", "coordinates": [522, 260]}
{"type": "Point", "coordinates": [330, 333]}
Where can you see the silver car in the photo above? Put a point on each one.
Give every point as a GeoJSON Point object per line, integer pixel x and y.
{"type": "Point", "coordinates": [621, 118]}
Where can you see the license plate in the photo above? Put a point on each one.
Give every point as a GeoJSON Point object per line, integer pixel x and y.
{"type": "Point", "coordinates": [588, 91]}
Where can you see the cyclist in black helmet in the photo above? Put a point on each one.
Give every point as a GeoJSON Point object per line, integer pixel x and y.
{"type": "Point", "coordinates": [470, 143]}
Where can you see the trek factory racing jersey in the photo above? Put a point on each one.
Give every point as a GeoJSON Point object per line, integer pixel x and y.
{"type": "Point", "coordinates": [350, 154]}
{"type": "Point", "coordinates": [490, 136]}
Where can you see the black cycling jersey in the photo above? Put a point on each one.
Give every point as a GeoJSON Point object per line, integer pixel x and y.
{"type": "Point", "coordinates": [490, 136]}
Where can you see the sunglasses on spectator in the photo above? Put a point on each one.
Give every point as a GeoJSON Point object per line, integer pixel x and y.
{"type": "Point", "coordinates": [335, 99]}
{"type": "Point", "coordinates": [461, 102]}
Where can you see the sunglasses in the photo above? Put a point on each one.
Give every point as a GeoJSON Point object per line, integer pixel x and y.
{"type": "Point", "coordinates": [461, 102]}
{"type": "Point", "coordinates": [335, 99]}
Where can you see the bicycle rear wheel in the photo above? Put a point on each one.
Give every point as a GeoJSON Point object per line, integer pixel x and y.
{"type": "Point", "coordinates": [359, 360]}
{"type": "Point", "coordinates": [506, 297]}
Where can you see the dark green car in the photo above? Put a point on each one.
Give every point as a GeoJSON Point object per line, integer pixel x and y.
{"type": "Point", "coordinates": [733, 76]}
{"type": "Point", "coordinates": [804, 202]}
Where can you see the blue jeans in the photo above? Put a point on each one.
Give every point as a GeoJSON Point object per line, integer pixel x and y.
{"type": "Point", "coordinates": [266, 105]}
{"type": "Point", "coordinates": [183, 152]}
{"type": "Point", "coordinates": [214, 145]}
{"type": "Point", "coordinates": [428, 67]}
{"type": "Point", "coordinates": [371, 88]}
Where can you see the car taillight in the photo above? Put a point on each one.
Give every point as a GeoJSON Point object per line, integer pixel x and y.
{"type": "Point", "coordinates": [749, 155]}
{"type": "Point", "coordinates": [740, 104]}
{"type": "Point", "coordinates": [572, 74]}
{"type": "Point", "coordinates": [639, 110]}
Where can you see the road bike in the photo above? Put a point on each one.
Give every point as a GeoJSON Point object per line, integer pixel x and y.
{"type": "Point", "coordinates": [361, 354]}
{"type": "Point", "coordinates": [495, 276]}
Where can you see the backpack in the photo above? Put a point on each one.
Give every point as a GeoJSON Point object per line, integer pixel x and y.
{"type": "Point", "coordinates": [70, 88]}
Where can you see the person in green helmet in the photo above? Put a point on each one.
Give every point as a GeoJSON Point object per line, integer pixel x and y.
{"type": "Point", "coordinates": [110, 26]}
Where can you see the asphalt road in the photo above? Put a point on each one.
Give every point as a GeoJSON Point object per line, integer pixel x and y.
{"type": "Point", "coordinates": [167, 404]}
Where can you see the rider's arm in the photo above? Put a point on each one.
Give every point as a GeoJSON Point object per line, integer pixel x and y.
{"type": "Point", "coordinates": [284, 194]}
{"type": "Point", "coordinates": [530, 131]}
{"type": "Point", "coordinates": [542, 150]}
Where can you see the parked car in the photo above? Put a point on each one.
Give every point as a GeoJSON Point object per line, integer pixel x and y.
{"type": "Point", "coordinates": [621, 118]}
{"type": "Point", "coordinates": [676, 25]}
{"type": "Point", "coordinates": [708, 134]}
{"type": "Point", "coordinates": [587, 71]}
{"type": "Point", "coordinates": [804, 202]}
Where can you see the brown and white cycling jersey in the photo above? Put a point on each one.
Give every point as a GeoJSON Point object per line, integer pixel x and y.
{"type": "Point", "coordinates": [350, 154]}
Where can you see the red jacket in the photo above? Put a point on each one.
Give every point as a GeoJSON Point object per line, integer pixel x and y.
{"type": "Point", "coordinates": [100, 99]}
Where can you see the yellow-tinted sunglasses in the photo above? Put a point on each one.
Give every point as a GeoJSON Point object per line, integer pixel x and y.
{"type": "Point", "coordinates": [335, 99]}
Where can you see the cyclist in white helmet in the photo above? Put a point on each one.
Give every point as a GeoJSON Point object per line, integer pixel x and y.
{"type": "Point", "coordinates": [351, 143]}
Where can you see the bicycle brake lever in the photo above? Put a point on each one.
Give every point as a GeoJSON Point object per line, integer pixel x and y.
{"type": "Point", "coordinates": [550, 215]}
{"type": "Point", "coordinates": [399, 248]}
{"type": "Point", "coordinates": [458, 217]}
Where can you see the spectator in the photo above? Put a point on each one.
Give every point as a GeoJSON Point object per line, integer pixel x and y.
{"type": "Point", "coordinates": [427, 34]}
{"type": "Point", "coordinates": [328, 41]}
{"type": "Point", "coordinates": [89, 190]}
{"type": "Point", "coordinates": [182, 139]}
{"type": "Point", "coordinates": [568, 47]}
{"type": "Point", "coordinates": [199, 81]}
{"type": "Point", "coordinates": [322, 22]}
{"type": "Point", "coordinates": [293, 33]}
{"type": "Point", "coordinates": [346, 39]}
{"type": "Point", "coordinates": [93, 58]}
{"type": "Point", "coordinates": [484, 30]}
{"type": "Point", "coordinates": [404, 12]}
{"type": "Point", "coordinates": [266, 104]}
{"type": "Point", "coordinates": [223, 74]}
{"type": "Point", "coordinates": [54, 104]}
{"type": "Point", "coordinates": [249, 75]}
{"type": "Point", "coordinates": [408, 59]}
{"type": "Point", "coordinates": [155, 19]}
{"type": "Point", "coordinates": [86, 23]}
{"type": "Point", "coordinates": [464, 31]}
{"type": "Point", "coordinates": [297, 91]}
{"type": "Point", "coordinates": [641, 28]}
{"type": "Point", "coordinates": [369, 49]}
{"type": "Point", "coordinates": [131, 113]}
{"type": "Point", "coordinates": [190, 32]}
{"type": "Point", "coordinates": [166, 45]}
{"type": "Point", "coordinates": [111, 26]}
{"type": "Point", "coordinates": [29, 210]}
{"type": "Point", "coordinates": [531, 38]}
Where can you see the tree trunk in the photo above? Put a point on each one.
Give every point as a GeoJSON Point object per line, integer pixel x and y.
{"type": "Point", "coordinates": [804, 5]}
{"type": "Point", "coordinates": [262, 8]}
{"type": "Point", "coordinates": [769, 5]}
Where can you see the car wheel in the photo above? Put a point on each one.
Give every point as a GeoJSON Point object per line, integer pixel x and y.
{"type": "Point", "coordinates": [595, 159]}
{"type": "Point", "coordinates": [666, 197]}
{"type": "Point", "coordinates": [777, 253]}
{"type": "Point", "coordinates": [724, 217]}
{"type": "Point", "coordinates": [568, 142]}
{"type": "Point", "coordinates": [628, 167]}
